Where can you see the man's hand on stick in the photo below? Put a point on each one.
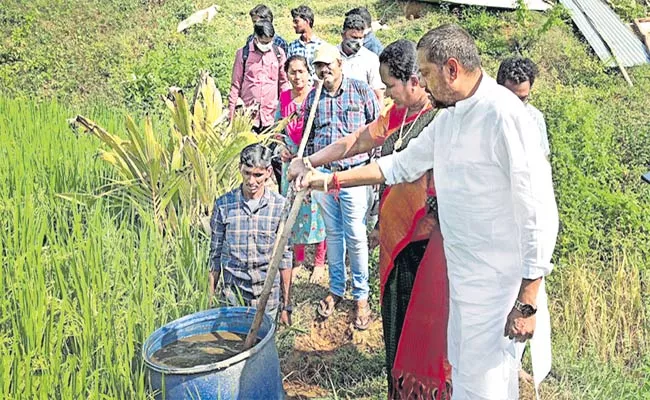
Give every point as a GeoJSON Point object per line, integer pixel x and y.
{"type": "Point", "coordinates": [315, 180]}
{"type": "Point", "coordinates": [297, 169]}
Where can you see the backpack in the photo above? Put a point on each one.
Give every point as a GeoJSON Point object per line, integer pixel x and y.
{"type": "Point", "coordinates": [246, 49]}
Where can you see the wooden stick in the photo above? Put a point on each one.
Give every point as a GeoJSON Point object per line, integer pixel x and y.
{"type": "Point", "coordinates": [284, 230]}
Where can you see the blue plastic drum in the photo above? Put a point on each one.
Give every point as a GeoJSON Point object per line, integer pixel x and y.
{"type": "Point", "coordinates": [253, 374]}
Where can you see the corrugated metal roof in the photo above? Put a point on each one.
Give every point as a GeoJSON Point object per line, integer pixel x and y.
{"type": "Point", "coordinates": [604, 30]}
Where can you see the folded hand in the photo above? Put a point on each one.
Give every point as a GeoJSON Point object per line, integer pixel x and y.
{"type": "Point", "coordinates": [518, 327]}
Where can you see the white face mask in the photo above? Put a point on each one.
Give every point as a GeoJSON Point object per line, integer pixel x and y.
{"type": "Point", "coordinates": [264, 47]}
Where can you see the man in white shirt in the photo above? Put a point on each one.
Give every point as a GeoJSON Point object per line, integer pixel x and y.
{"type": "Point", "coordinates": [497, 214]}
{"type": "Point", "coordinates": [358, 62]}
{"type": "Point", "coordinates": [518, 75]}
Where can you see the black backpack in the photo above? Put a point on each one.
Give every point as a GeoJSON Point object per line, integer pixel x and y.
{"type": "Point", "coordinates": [246, 50]}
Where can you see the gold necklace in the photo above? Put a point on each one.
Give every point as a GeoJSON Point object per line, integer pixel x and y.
{"type": "Point", "coordinates": [398, 142]}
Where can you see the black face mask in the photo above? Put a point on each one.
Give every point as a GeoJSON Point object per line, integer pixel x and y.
{"type": "Point", "coordinates": [352, 45]}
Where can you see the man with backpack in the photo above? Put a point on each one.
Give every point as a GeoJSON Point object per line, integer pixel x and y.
{"type": "Point", "coordinates": [263, 12]}
{"type": "Point", "coordinates": [258, 77]}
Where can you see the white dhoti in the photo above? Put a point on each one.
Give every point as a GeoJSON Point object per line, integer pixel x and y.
{"type": "Point", "coordinates": [499, 222]}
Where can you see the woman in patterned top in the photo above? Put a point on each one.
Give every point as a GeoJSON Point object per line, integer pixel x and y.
{"type": "Point", "coordinates": [309, 227]}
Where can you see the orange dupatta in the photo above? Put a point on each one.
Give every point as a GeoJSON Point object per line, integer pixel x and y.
{"type": "Point", "coordinates": [420, 369]}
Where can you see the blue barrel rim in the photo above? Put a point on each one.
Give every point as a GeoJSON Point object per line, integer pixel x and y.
{"type": "Point", "coordinates": [198, 317]}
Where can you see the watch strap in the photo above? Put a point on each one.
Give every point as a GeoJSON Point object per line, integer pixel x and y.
{"type": "Point", "coordinates": [526, 309]}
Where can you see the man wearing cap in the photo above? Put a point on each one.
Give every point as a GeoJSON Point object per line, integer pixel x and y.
{"type": "Point", "coordinates": [344, 106]}
{"type": "Point", "coordinates": [359, 62]}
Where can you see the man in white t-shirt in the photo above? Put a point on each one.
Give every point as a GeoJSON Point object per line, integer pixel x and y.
{"type": "Point", "coordinates": [358, 62]}
{"type": "Point", "coordinates": [518, 75]}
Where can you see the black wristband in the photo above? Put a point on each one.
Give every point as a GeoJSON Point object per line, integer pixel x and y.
{"type": "Point", "coordinates": [288, 308]}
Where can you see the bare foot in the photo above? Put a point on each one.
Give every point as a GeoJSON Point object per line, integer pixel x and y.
{"type": "Point", "coordinates": [295, 271]}
{"type": "Point", "coordinates": [317, 274]}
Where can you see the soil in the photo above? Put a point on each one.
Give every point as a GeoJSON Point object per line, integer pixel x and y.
{"type": "Point", "coordinates": [324, 344]}
{"type": "Point", "coordinates": [323, 349]}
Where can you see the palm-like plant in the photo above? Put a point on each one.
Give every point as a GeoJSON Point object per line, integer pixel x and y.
{"type": "Point", "coordinates": [183, 177]}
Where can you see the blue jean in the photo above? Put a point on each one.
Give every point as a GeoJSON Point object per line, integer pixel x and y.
{"type": "Point", "coordinates": [345, 224]}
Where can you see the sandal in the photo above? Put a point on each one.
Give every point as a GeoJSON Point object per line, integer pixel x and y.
{"type": "Point", "coordinates": [363, 314]}
{"type": "Point", "coordinates": [327, 305]}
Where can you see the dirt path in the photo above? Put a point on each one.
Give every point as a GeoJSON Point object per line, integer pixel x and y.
{"type": "Point", "coordinates": [314, 361]}
{"type": "Point", "coordinates": [330, 359]}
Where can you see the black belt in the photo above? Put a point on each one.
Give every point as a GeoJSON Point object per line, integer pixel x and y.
{"type": "Point", "coordinates": [337, 168]}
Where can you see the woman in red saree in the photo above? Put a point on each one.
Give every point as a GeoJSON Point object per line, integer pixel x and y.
{"type": "Point", "coordinates": [413, 273]}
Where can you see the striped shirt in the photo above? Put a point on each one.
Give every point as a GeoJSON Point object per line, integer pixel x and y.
{"type": "Point", "coordinates": [242, 245]}
{"type": "Point", "coordinates": [353, 106]}
{"type": "Point", "coordinates": [307, 50]}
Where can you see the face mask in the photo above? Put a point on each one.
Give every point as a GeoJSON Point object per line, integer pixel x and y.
{"type": "Point", "coordinates": [352, 45]}
{"type": "Point", "coordinates": [264, 47]}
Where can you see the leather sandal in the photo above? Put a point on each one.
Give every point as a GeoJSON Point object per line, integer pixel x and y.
{"type": "Point", "coordinates": [327, 305]}
{"type": "Point", "coordinates": [363, 314]}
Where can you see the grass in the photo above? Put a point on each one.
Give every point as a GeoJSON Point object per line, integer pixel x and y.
{"type": "Point", "coordinates": [84, 287]}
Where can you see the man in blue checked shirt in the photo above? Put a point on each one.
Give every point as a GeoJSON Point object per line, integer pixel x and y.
{"type": "Point", "coordinates": [244, 226]}
{"type": "Point", "coordinates": [308, 42]}
{"type": "Point", "coordinates": [344, 106]}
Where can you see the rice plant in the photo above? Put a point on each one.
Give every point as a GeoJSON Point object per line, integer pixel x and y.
{"type": "Point", "coordinates": [82, 287]}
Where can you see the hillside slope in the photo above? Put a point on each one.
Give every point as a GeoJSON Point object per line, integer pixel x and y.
{"type": "Point", "coordinates": [125, 53]}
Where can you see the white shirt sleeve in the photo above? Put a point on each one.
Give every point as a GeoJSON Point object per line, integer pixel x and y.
{"type": "Point", "coordinates": [541, 125]}
{"type": "Point", "coordinates": [374, 79]}
{"type": "Point", "coordinates": [411, 163]}
{"type": "Point", "coordinates": [533, 198]}
{"type": "Point", "coordinates": [544, 136]}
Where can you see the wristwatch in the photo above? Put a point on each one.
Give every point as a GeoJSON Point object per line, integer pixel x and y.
{"type": "Point", "coordinates": [526, 309]}
{"type": "Point", "coordinates": [287, 308]}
